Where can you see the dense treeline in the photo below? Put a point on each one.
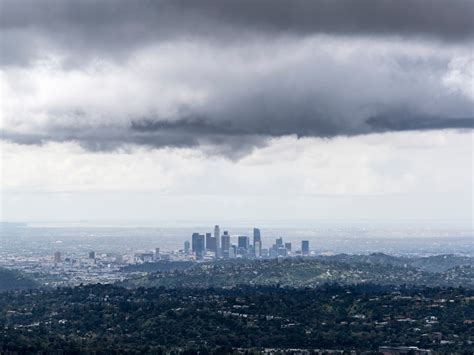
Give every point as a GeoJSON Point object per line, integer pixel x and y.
{"type": "Point", "coordinates": [14, 280]}
{"type": "Point", "coordinates": [364, 317]}
{"type": "Point", "coordinates": [158, 266]}
{"type": "Point", "coordinates": [445, 271]}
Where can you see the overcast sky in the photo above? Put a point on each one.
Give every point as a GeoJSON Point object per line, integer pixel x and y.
{"type": "Point", "coordinates": [263, 110]}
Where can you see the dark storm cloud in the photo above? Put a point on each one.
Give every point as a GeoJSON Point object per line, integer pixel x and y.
{"type": "Point", "coordinates": [410, 122]}
{"type": "Point", "coordinates": [182, 134]}
{"type": "Point", "coordinates": [301, 127]}
{"type": "Point", "coordinates": [437, 18]}
{"type": "Point", "coordinates": [312, 92]}
{"type": "Point", "coordinates": [114, 28]}
{"type": "Point", "coordinates": [226, 139]}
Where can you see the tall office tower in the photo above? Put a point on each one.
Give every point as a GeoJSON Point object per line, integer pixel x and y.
{"type": "Point", "coordinates": [198, 245]}
{"type": "Point", "coordinates": [217, 236]}
{"type": "Point", "coordinates": [257, 242]}
{"type": "Point", "coordinates": [92, 255]}
{"type": "Point", "coordinates": [256, 236]}
{"type": "Point", "coordinates": [210, 243]}
{"type": "Point", "coordinates": [186, 247]}
{"type": "Point", "coordinates": [258, 249]}
{"type": "Point", "coordinates": [243, 242]}
{"type": "Point", "coordinates": [282, 251]}
{"type": "Point", "coordinates": [242, 245]}
{"type": "Point", "coordinates": [194, 242]}
{"type": "Point", "coordinates": [279, 242]}
{"type": "Point", "coordinates": [305, 247]}
{"type": "Point", "coordinates": [232, 251]}
{"type": "Point", "coordinates": [251, 250]}
{"type": "Point", "coordinates": [57, 257]}
{"type": "Point", "coordinates": [288, 246]}
{"type": "Point", "coordinates": [157, 253]}
{"type": "Point", "coordinates": [225, 243]}
{"type": "Point", "coordinates": [201, 247]}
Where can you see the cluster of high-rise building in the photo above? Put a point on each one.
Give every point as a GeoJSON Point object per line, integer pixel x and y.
{"type": "Point", "coordinates": [220, 246]}
{"type": "Point", "coordinates": [207, 246]}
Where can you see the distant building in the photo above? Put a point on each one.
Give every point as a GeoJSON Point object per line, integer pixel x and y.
{"type": "Point", "coordinates": [144, 257]}
{"type": "Point", "coordinates": [288, 246]}
{"type": "Point", "coordinates": [92, 255]}
{"type": "Point", "coordinates": [256, 236]}
{"type": "Point", "coordinates": [258, 249]}
{"type": "Point", "coordinates": [305, 247]}
{"type": "Point", "coordinates": [217, 237]}
{"type": "Point", "coordinates": [198, 245]}
{"type": "Point", "coordinates": [276, 248]}
{"type": "Point", "coordinates": [186, 247]}
{"type": "Point", "coordinates": [282, 251]}
{"type": "Point", "coordinates": [57, 257]}
{"type": "Point", "coordinates": [243, 242]}
{"type": "Point", "coordinates": [257, 241]}
{"type": "Point", "coordinates": [210, 242]}
{"type": "Point", "coordinates": [165, 257]}
{"type": "Point", "coordinates": [232, 251]}
{"type": "Point", "coordinates": [242, 245]}
{"type": "Point", "coordinates": [157, 253]}
{"type": "Point", "coordinates": [251, 251]}
{"type": "Point", "coordinates": [225, 243]}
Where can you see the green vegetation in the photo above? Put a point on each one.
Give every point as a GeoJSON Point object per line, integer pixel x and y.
{"type": "Point", "coordinates": [14, 280]}
{"type": "Point", "coordinates": [312, 272]}
{"type": "Point", "coordinates": [339, 302]}
{"type": "Point", "coordinates": [363, 317]}
{"type": "Point", "coordinates": [159, 266]}
{"type": "Point", "coordinates": [436, 263]}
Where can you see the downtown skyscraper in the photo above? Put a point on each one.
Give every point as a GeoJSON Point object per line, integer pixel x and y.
{"type": "Point", "coordinates": [257, 242]}
{"type": "Point", "coordinates": [217, 236]}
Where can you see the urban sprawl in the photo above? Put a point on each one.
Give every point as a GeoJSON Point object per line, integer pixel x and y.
{"type": "Point", "coordinates": [75, 266]}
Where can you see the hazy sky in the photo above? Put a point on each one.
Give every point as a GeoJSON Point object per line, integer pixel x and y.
{"type": "Point", "coordinates": [268, 109]}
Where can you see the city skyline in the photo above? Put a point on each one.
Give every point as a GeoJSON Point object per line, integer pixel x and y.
{"type": "Point", "coordinates": [220, 246]}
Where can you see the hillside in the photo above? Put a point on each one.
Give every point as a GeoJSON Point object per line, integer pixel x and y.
{"type": "Point", "coordinates": [110, 319]}
{"type": "Point", "coordinates": [310, 272]}
{"type": "Point", "coordinates": [436, 263]}
{"type": "Point", "coordinates": [14, 280]}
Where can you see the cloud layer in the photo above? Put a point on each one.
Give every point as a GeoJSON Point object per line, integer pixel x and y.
{"type": "Point", "coordinates": [227, 75]}
{"type": "Point", "coordinates": [395, 176]}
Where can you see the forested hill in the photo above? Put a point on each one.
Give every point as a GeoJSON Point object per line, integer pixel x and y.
{"type": "Point", "coordinates": [312, 272]}
{"type": "Point", "coordinates": [14, 280]}
{"type": "Point", "coordinates": [110, 319]}
{"type": "Point", "coordinates": [435, 263]}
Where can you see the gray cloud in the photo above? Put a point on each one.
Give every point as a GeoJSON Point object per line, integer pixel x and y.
{"type": "Point", "coordinates": [180, 134]}
{"type": "Point", "coordinates": [224, 138]}
{"type": "Point", "coordinates": [115, 28]}
{"type": "Point", "coordinates": [431, 17]}
{"type": "Point", "coordinates": [288, 81]}
{"type": "Point", "coordinates": [405, 121]}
